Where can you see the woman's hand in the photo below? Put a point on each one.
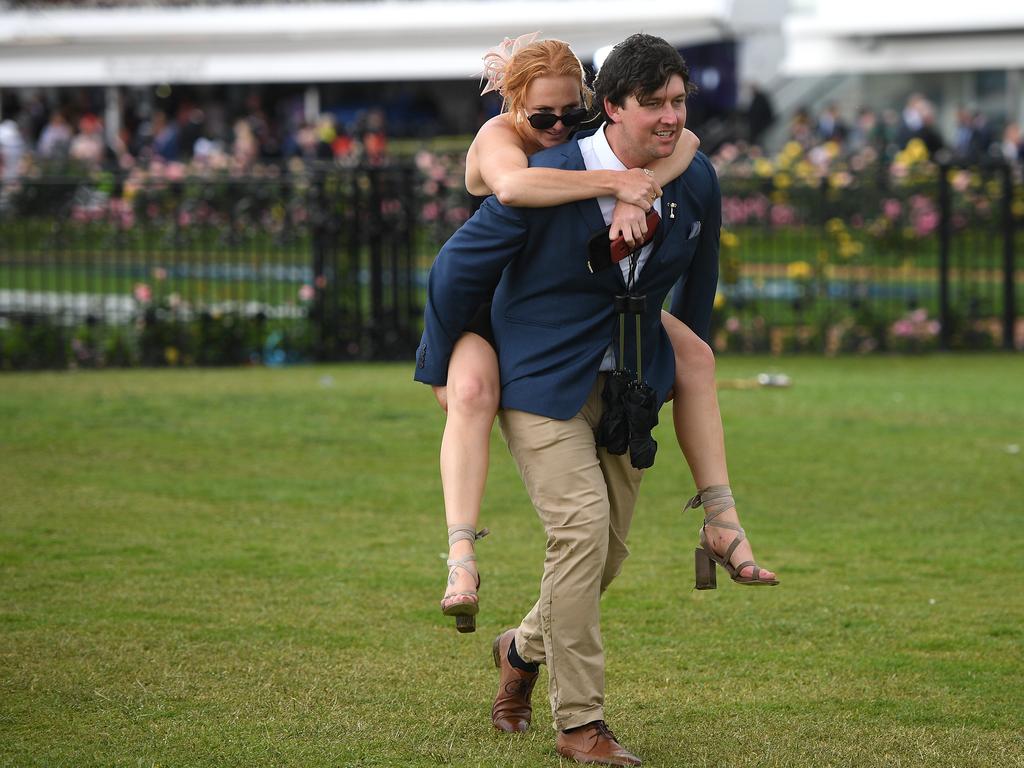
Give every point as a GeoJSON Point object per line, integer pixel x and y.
{"type": "Point", "coordinates": [629, 221]}
{"type": "Point", "coordinates": [637, 187]}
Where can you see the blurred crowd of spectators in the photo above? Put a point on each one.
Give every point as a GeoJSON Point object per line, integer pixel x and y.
{"type": "Point", "coordinates": [70, 139]}
{"type": "Point", "coordinates": [889, 131]}
{"type": "Point", "coordinates": [35, 138]}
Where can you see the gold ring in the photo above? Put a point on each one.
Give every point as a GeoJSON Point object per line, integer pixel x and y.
{"type": "Point", "coordinates": [648, 171]}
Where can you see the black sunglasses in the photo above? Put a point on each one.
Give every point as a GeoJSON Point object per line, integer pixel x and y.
{"type": "Point", "coordinates": [544, 120]}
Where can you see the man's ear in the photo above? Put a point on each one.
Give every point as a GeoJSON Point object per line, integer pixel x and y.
{"type": "Point", "coordinates": [612, 110]}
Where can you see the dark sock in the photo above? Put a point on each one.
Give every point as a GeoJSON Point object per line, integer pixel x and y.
{"type": "Point", "coordinates": [516, 661]}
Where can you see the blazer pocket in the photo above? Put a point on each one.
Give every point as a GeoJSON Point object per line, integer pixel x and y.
{"type": "Point", "coordinates": [694, 230]}
{"type": "Point", "coordinates": [533, 321]}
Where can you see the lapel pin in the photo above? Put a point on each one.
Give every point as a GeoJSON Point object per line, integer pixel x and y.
{"type": "Point", "coordinates": [671, 210]}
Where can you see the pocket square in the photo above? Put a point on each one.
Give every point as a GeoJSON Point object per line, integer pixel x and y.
{"type": "Point", "coordinates": [694, 230]}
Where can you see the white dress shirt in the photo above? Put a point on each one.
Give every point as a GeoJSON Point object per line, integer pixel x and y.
{"type": "Point", "coordinates": [598, 156]}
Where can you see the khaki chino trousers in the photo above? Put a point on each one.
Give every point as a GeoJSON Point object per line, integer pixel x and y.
{"type": "Point", "coordinates": [585, 498]}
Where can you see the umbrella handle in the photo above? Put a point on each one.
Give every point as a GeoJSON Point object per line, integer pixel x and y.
{"type": "Point", "coordinates": [622, 340]}
{"type": "Point", "coordinates": [639, 353]}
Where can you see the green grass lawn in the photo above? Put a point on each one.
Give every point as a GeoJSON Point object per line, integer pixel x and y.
{"type": "Point", "coordinates": [241, 568]}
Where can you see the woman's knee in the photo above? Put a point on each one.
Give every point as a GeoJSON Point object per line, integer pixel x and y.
{"type": "Point", "coordinates": [473, 394]}
{"type": "Point", "coordinates": [695, 359]}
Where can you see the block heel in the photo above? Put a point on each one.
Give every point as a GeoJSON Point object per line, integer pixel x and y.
{"type": "Point", "coordinates": [704, 568]}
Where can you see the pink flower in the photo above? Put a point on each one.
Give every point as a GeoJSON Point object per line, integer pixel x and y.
{"type": "Point", "coordinates": [307, 292]}
{"type": "Point", "coordinates": [175, 171]}
{"type": "Point", "coordinates": [159, 273]}
{"type": "Point", "coordinates": [142, 293]}
{"type": "Point", "coordinates": [926, 223]}
{"type": "Point", "coordinates": [782, 215]}
{"type": "Point", "coordinates": [458, 215]}
{"type": "Point", "coordinates": [732, 325]}
{"type": "Point", "coordinates": [903, 328]}
{"type": "Point", "coordinates": [892, 208]}
{"type": "Point", "coordinates": [431, 211]}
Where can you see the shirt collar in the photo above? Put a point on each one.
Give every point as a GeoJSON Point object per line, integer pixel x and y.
{"type": "Point", "coordinates": [603, 151]}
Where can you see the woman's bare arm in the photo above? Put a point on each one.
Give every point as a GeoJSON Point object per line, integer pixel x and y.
{"type": "Point", "coordinates": [630, 220]}
{"type": "Point", "coordinates": [668, 168]}
{"type": "Point", "coordinates": [497, 164]}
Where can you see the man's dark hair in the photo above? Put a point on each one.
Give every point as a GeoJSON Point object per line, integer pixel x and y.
{"type": "Point", "coordinates": [638, 66]}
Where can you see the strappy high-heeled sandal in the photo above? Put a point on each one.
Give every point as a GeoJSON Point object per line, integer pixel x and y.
{"type": "Point", "coordinates": [464, 606]}
{"type": "Point", "coordinates": [716, 500]}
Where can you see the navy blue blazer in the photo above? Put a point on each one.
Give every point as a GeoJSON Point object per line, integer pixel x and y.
{"type": "Point", "coordinates": [553, 320]}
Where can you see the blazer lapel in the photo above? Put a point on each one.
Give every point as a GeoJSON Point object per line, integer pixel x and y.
{"type": "Point", "coordinates": [669, 212]}
{"type": "Point", "coordinates": [589, 209]}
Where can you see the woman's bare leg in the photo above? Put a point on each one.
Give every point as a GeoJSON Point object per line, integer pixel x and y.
{"type": "Point", "coordinates": [698, 423]}
{"type": "Point", "coordinates": [471, 400]}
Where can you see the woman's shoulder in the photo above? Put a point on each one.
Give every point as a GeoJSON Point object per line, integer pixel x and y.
{"type": "Point", "coordinates": [500, 127]}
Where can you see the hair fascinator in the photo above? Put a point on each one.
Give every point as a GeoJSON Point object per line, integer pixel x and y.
{"type": "Point", "coordinates": [496, 62]}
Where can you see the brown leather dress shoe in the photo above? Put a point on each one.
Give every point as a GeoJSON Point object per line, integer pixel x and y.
{"type": "Point", "coordinates": [594, 743]}
{"type": "Point", "coordinates": [512, 709]}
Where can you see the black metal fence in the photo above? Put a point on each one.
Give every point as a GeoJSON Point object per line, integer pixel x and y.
{"type": "Point", "coordinates": [330, 264]}
{"type": "Point", "coordinates": [282, 267]}
{"type": "Point", "coordinates": [904, 258]}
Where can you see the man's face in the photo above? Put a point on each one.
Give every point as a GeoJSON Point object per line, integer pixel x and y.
{"type": "Point", "coordinates": [645, 129]}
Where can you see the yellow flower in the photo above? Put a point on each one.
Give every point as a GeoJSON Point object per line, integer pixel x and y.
{"type": "Point", "coordinates": [840, 180]}
{"type": "Point", "coordinates": [798, 270]}
{"type": "Point", "coordinates": [792, 149]}
{"type": "Point", "coordinates": [719, 300]}
{"type": "Point", "coordinates": [729, 240]}
{"type": "Point", "coordinates": [849, 248]}
{"type": "Point", "coordinates": [171, 355]}
{"type": "Point", "coordinates": [782, 180]}
{"type": "Point", "coordinates": [916, 151]}
{"type": "Point", "coordinates": [1018, 208]}
{"type": "Point", "coordinates": [834, 226]}
{"type": "Point", "coordinates": [763, 168]}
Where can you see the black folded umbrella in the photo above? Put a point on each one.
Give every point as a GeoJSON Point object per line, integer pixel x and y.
{"type": "Point", "coordinates": [613, 429]}
{"type": "Point", "coordinates": [641, 406]}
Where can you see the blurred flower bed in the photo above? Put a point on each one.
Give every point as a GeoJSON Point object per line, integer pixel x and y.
{"type": "Point", "coordinates": [822, 250]}
{"type": "Point", "coordinates": [838, 252]}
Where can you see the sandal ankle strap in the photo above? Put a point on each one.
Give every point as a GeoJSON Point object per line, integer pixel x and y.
{"type": "Point", "coordinates": [464, 533]}
{"type": "Point", "coordinates": [716, 500]}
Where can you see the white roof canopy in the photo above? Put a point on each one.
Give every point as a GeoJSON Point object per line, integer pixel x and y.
{"type": "Point", "coordinates": [911, 36]}
{"type": "Point", "coordinates": [361, 41]}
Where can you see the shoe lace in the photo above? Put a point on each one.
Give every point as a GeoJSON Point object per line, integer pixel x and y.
{"type": "Point", "coordinates": [602, 727]}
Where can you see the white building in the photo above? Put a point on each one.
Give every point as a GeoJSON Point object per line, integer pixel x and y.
{"type": "Point", "coordinates": [876, 52]}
